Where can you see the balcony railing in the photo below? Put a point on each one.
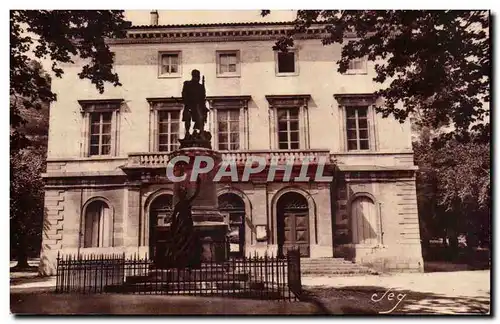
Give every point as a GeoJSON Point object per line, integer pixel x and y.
{"type": "Point", "coordinates": [160, 159]}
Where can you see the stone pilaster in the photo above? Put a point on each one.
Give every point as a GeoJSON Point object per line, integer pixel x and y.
{"type": "Point", "coordinates": [52, 237]}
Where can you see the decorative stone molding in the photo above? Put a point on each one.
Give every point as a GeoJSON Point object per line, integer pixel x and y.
{"type": "Point", "coordinates": [53, 219]}
{"type": "Point", "coordinates": [160, 159]}
{"type": "Point", "coordinates": [361, 99]}
{"type": "Point", "coordinates": [229, 102]}
{"type": "Point", "coordinates": [357, 100]}
{"type": "Point", "coordinates": [165, 103]}
{"type": "Point", "coordinates": [215, 33]}
{"type": "Point", "coordinates": [289, 101]}
{"type": "Point", "coordinates": [77, 181]}
{"type": "Point", "coordinates": [100, 105]}
{"type": "Point", "coordinates": [239, 103]}
{"type": "Point", "coordinates": [162, 104]}
{"type": "Point", "coordinates": [88, 107]}
{"type": "Point", "coordinates": [373, 176]}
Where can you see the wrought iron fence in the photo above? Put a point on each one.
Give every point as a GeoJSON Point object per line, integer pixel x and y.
{"type": "Point", "coordinates": [262, 277]}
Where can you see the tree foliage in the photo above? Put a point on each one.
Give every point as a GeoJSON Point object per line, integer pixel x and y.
{"type": "Point", "coordinates": [453, 187]}
{"type": "Point", "coordinates": [59, 36]}
{"type": "Point", "coordinates": [436, 63]}
{"type": "Point", "coordinates": [26, 202]}
{"type": "Point", "coordinates": [27, 163]}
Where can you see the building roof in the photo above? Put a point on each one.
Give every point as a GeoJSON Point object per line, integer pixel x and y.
{"type": "Point", "coordinates": [214, 32]}
{"type": "Point", "coordinates": [233, 24]}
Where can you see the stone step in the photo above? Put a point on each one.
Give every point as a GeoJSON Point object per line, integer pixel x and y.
{"type": "Point", "coordinates": [338, 271]}
{"type": "Point", "coordinates": [332, 266]}
{"type": "Point", "coordinates": [324, 260]}
{"type": "Point", "coordinates": [327, 264]}
{"type": "Point", "coordinates": [346, 268]}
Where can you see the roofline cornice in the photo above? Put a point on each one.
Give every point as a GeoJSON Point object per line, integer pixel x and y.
{"type": "Point", "coordinates": [215, 33]}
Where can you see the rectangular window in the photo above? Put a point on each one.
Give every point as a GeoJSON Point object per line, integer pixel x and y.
{"type": "Point", "coordinates": [357, 66]}
{"type": "Point", "coordinates": [228, 129]}
{"type": "Point", "coordinates": [168, 130]}
{"type": "Point", "coordinates": [100, 133]}
{"type": "Point", "coordinates": [357, 128]}
{"type": "Point", "coordinates": [286, 62]}
{"type": "Point", "coordinates": [170, 64]}
{"type": "Point", "coordinates": [288, 128]}
{"type": "Point", "coordinates": [228, 63]}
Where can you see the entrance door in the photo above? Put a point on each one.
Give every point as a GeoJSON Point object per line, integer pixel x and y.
{"type": "Point", "coordinates": [293, 224]}
{"type": "Point", "coordinates": [160, 214]}
{"type": "Point", "coordinates": [235, 207]}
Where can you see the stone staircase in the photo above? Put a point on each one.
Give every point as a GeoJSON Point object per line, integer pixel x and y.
{"type": "Point", "coordinates": [333, 267]}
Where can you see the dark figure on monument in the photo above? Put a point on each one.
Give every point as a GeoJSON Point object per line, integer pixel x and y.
{"type": "Point", "coordinates": [184, 250]}
{"type": "Point", "coordinates": [194, 97]}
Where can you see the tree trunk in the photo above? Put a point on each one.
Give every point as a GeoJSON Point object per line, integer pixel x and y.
{"type": "Point", "coordinates": [22, 256]}
{"type": "Point", "coordinates": [453, 248]}
{"type": "Point", "coordinates": [445, 245]}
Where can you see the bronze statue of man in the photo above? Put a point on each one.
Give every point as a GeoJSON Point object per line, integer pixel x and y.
{"type": "Point", "coordinates": [184, 250]}
{"type": "Point", "coordinates": [194, 97]}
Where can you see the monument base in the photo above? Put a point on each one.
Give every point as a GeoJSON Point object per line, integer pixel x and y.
{"type": "Point", "coordinates": [210, 225]}
{"type": "Point", "coordinates": [196, 140]}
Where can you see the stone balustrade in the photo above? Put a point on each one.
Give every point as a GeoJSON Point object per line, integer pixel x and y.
{"type": "Point", "coordinates": [160, 159]}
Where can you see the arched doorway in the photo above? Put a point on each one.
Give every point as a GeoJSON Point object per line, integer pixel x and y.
{"type": "Point", "coordinates": [235, 207]}
{"type": "Point", "coordinates": [364, 221]}
{"type": "Point", "coordinates": [98, 225]}
{"type": "Point", "coordinates": [160, 213]}
{"type": "Point", "coordinates": [293, 223]}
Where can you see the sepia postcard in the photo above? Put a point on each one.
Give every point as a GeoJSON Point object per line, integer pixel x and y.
{"type": "Point", "coordinates": [257, 162]}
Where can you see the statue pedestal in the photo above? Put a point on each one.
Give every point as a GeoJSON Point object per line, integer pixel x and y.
{"type": "Point", "coordinates": [210, 225]}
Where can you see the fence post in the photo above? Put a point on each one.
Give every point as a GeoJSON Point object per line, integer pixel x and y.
{"type": "Point", "coordinates": [293, 265]}
{"type": "Point", "coordinates": [57, 273]}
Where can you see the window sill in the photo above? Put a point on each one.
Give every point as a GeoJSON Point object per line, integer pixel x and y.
{"type": "Point", "coordinates": [384, 152]}
{"type": "Point", "coordinates": [228, 75]}
{"type": "Point", "coordinates": [287, 74]}
{"type": "Point", "coordinates": [360, 151]}
{"type": "Point", "coordinates": [169, 76]}
{"type": "Point", "coordinates": [356, 72]}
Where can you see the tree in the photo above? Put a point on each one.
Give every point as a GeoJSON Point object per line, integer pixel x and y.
{"type": "Point", "coordinates": [434, 62]}
{"type": "Point", "coordinates": [464, 188]}
{"type": "Point", "coordinates": [26, 202]}
{"type": "Point", "coordinates": [59, 36]}
{"type": "Point", "coordinates": [27, 162]}
{"type": "Point", "coordinates": [453, 188]}
{"type": "Point", "coordinates": [29, 127]}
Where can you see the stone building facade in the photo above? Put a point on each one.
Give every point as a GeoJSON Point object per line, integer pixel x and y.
{"type": "Point", "coordinates": [106, 190]}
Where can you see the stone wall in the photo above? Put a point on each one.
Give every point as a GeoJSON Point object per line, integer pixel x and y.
{"type": "Point", "coordinates": [398, 247]}
{"type": "Point", "coordinates": [257, 79]}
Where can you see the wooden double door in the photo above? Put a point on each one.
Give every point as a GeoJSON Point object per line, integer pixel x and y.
{"type": "Point", "coordinates": [293, 224]}
{"type": "Point", "coordinates": [160, 214]}
{"type": "Point", "coordinates": [233, 205]}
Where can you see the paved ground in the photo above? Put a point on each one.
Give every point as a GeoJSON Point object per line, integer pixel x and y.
{"type": "Point", "coordinates": [437, 292]}
{"type": "Point", "coordinates": [153, 305]}
{"type": "Point", "coordinates": [428, 293]}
